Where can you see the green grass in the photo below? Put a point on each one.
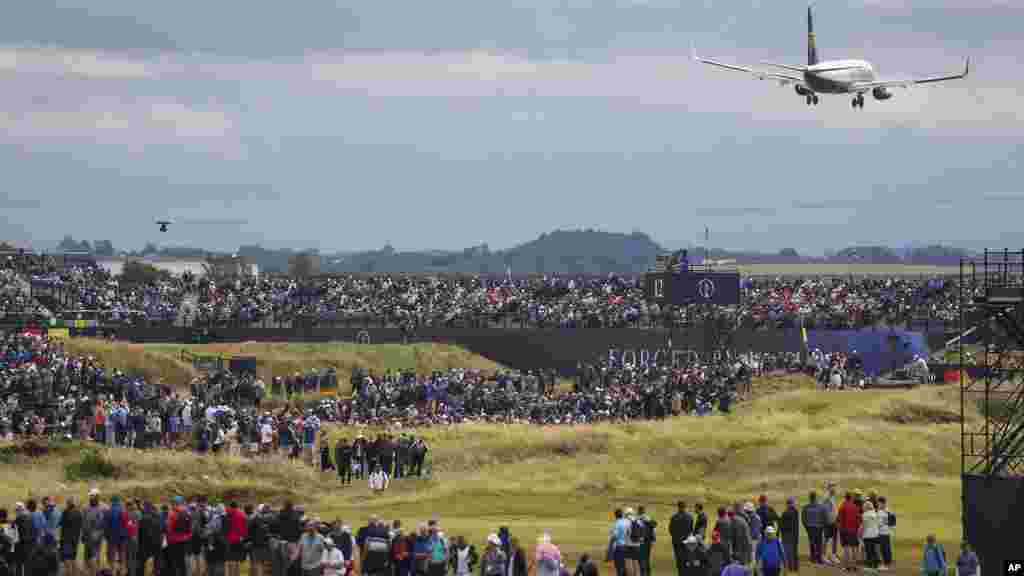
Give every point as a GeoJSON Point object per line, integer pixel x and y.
{"type": "Point", "coordinates": [786, 441]}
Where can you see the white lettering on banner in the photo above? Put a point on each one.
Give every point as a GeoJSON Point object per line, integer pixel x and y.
{"type": "Point", "coordinates": [658, 356]}
{"type": "Point", "coordinates": [659, 288]}
{"type": "Point", "coordinates": [362, 337]}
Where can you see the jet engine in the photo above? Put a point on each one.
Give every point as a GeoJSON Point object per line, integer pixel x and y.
{"type": "Point", "coordinates": [881, 93]}
{"type": "Point", "coordinates": [800, 90]}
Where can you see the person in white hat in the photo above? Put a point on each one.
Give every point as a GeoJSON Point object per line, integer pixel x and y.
{"type": "Point", "coordinates": [770, 555]}
{"type": "Point", "coordinates": [695, 558]}
{"type": "Point", "coordinates": [333, 561]}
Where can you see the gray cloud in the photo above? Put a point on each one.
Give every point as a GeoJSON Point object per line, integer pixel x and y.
{"type": "Point", "coordinates": [734, 211]}
{"type": "Point", "coordinates": [829, 204]}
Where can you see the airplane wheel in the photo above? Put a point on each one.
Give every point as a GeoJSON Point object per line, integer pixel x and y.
{"type": "Point", "coordinates": [809, 100]}
{"type": "Point", "coordinates": [815, 100]}
{"type": "Point", "coordinates": [854, 103]}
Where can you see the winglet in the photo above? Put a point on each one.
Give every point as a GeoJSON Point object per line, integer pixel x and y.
{"type": "Point", "coordinates": [693, 51]}
{"type": "Point", "coordinates": [967, 66]}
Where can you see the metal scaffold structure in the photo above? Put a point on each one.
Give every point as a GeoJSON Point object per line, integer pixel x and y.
{"type": "Point", "coordinates": [992, 399]}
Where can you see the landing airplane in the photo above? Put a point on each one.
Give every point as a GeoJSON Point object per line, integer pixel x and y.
{"type": "Point", "coordinates": [834, 76]}
{"type": "Point", "coordinates": [163, 224]}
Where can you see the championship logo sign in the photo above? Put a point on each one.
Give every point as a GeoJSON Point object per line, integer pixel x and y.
{"type": "Point", "coordinates": [706, 288]}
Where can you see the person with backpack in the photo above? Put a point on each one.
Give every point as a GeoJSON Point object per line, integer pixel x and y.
{"type": "Point", "coordinates": [886, 524]}
{"type": "Point", "coordinates": [789, 531]}
{"type": "Point", "coordinates": [464, 558]}
{"type": "Point", "coordinates": [70, 536]}
{"type": "Point", "coordinates": [236, 532]}
{"type": "Point", "coordinates": [115, 531]}
{"type": "Point", "coordinates": [771, 558]}
{"type": "Point", "coordinates": [650, 536]}
{"type": "Point", "coordinates": [636, 531]}
{"type": "Point", "coordinates": [179, 536]}
{"type": "Point", "coordinates": [92, 531]}
{"type": "Point", "coordinates": [437, 564]}
{"type": "Point", "coordinates": [933, 562]}
{"type": "Point", "coordinates": [151, 537]}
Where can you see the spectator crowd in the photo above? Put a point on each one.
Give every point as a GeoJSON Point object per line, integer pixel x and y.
{"type": "Point", "coordinates": [44, 391]}
{"type": "Point", "coordinates": [567, 301]}
{"type": "Point", "coordinates": [203, 537]}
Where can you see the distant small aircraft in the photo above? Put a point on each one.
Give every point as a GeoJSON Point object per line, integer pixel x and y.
{"type": "Point", "coordinates": [852, 77]}
{"type": "Point", "coordinates": [163, 224]}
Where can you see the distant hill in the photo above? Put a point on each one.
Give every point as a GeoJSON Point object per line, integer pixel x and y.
{"type": "Point", "coordinates": [560, 252]}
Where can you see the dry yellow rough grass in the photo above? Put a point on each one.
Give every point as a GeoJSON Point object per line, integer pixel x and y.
{"type": "Point", "coordinates": [567, 480]}
{"type": "Point", "coordinates": [165, 361]}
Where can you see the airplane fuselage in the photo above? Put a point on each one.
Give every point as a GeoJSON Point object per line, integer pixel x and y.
{"type": "Point", "coordinates": [837, 76]}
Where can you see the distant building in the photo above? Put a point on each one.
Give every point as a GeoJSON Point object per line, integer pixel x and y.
{"type": "Point", "coordinates": [229, 266]}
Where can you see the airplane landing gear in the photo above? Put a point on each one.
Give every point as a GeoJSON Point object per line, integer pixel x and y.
{"type": "Point", "coordinates": [858, 101]}
{"type": "Point", "coordinates": [812, 99]}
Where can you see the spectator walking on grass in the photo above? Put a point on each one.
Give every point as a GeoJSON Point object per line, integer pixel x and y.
{"type": "Point", "coordinates": [933, 562]}
{"type": "Point", "coordinates": [831, 532]}
{"type": "Point", "coordinates": [789, 526]}
{"type": "Point", "coordinates": [967, 562]}
{"type": "Point", "coordinates": [724, 528]}
{"type": "Point", "coordinates": [333, 561]}
{"type": "Point", "coordinates": [869, 534]}
{"type": "Point", "coordinates": [547, 560]}
{"type": "Point", "coordinates": [849, 531]}
{"type": "Point", "coordinates": [494, 562]}
{"type": "Point", "coordinates": [886, 524]}
{"type": "Point", "coordinates": [680, 527]}
{"type": "Point", "coordinates": [814, 517]}
{"type": "Point", "coordinates": [771, 558]}
{"type": "Point", "coordinates": [718, 556]}
{"type": "Point", "coordinates": [695, 558]}
{"type": "Point", "coordinates": [619, 532]}
{"type": "Point", "coordinates": [741, 544]}
{"type": "Point", "coordinates": [650, 527]}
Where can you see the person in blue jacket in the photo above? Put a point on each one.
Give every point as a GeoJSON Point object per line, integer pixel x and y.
{"type": "Point", "coordinates": [770, 555]}
{"type": "Point", "coordinates": [934, 561]}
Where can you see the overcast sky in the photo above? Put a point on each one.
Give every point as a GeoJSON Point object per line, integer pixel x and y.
{"type": "Point", "coordinates": [444, 124]}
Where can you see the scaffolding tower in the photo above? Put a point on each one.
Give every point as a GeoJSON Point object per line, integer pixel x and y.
{"type": "Point", "coordinates": [991, 296]}
{"type": "Point", "coordinates": [992, 402]}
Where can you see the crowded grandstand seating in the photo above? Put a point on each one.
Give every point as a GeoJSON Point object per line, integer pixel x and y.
{"type": "Point", "coordinates": [465, 301]}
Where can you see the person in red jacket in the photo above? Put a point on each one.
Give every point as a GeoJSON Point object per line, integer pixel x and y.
{"type": "Point", "coordinates": [179, 536]}
{"type": "Point", "coordinates": [236, 527]}
{"type": "Point", "coordinates": [848, 519]}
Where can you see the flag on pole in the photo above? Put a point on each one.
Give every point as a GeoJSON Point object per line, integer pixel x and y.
{"type": "Point", "coordinates": [707, 233]}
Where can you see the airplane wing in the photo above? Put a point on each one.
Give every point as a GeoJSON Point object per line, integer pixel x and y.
{"type": "Point", "coordinates": [865, 86]}
{"type": "Point", "coordinates": [800, 69]}
{"type": "Point", "coordinates": [782, 78]}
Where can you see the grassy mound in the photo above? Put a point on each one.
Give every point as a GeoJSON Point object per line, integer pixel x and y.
{"type": "Point", "coordinates": [567, 480]}
{"type": "Point", "coordinates": [167, 362]}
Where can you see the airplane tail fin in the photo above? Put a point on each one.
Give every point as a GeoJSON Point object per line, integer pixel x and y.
{"type": "Point", "coordinates": [812, 49]}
